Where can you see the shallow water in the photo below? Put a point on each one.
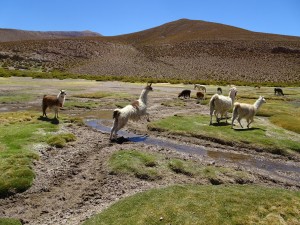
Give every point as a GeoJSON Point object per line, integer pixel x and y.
{"type": "Point", "coordinates": [282, 170]}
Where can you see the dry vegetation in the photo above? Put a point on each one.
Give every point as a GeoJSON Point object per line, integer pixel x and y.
{"type": "Point", "coordinates": [195, 50]}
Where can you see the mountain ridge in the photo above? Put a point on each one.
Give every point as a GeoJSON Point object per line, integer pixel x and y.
{"type": "Point", "coordinates": [195, 50]}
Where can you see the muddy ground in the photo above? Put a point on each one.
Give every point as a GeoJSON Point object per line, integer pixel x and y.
{"type": "Point", "coordinates": [74, 183]}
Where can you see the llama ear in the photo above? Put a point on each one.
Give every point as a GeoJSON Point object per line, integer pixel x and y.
{"type": "Point", "coordinates": [150, 84]}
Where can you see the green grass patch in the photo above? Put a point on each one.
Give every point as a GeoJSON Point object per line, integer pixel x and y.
{"type": "Point", "coordinates": [102, 94]}
{"type": "Point", "coordinates": [60, 140]}
{"type": "Point", "coordinates": [15, 98]}
{"type": "Point", "coordinates": [258, 136]}
{"type": "Point", "coordinates": [174, 103]}
{"type": "Point", "coordinates": [134, 162]}
{"type": "Point", "coordinates": [18, 132]}
{"type": "Point", "coordinates": [133, 79]}
{"type": "Point", "coordinates": [192, 204]}
{"type": "Point", "coordinates": [81, 105]}
{"type": "Point", "coordinates": [151, 166]}
{"type": "Point", "coordinates": [287, 121]}
{"type": "Point", "coordinates": [10, 221]}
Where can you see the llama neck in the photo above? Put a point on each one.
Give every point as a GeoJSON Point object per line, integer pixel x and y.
{"type": "Point", "coordinates": [144, 96]}
{"type": "Point", "coordinates": [232, 96]}
{"type": "Point", "coordinates": [61, 99]}
{"type": "Point", "coordinates": [258, 104]}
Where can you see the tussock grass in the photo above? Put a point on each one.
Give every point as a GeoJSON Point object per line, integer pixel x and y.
{"type": "Point", "coordinates": [100, 94]}
{"type": "Point", "coordinates": [10, 221]}
{"type": "Point", "coordinates": [60, 140]}
{"type": "Point", "coordinates": [81, 105]}
{"type": "Point", "coordinates": [18, 132]}
{"type": "Point", "coordinates": [192, 204]}
{"type": "Point", "coordinates": [134, 79]}
{"type": "Point", "coordinates": [150, 166]}
{"type": "Point", "coordinates": [134, 162]}
{"type": "Point", "coordinates": [259, 136]}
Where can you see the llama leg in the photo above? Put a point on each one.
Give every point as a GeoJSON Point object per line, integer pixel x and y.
{"type": "Point", "coordinates": [147, 115]}
{"type": "Point", "coordinates": [233, 119]}
{"type": "Point", "coordinates": [239, 120]}
{"type": "Point", "coordinates": [44, 110]}
{"type": "Point", "coordinates": [114, 129]}
{"type": "Point", "coordinates": [217, 119]}
{"type": "Point", "coordinates": [250, 123]}
{"type": "Point", "coordinates": [55, 112]}
{"type": "Point", "coordinates": [211, 115]}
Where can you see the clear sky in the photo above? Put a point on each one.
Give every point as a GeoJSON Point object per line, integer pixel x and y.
{"type": "Point", "coordinates": [115, 17]}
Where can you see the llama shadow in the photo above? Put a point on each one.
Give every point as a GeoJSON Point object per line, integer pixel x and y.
{"type": "Point", "coordinates": [46, 119]}
{"type": "Point", "coordinates": [247, 129]}
{"type": "Point", "coordinates": [121, 140]}
{"type": "Point", "coordinates": [221, 124]}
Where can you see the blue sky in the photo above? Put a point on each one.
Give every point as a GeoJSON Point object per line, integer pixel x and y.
{"type": "Point", "coordinates": [115, 17]}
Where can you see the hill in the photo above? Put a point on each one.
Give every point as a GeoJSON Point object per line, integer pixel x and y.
{"type": "Point", "coordinates": [183, 49]}
{"type": "Point", "coordinates": [21, 35]}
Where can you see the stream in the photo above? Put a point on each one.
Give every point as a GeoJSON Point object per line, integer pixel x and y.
{"type": "Point", "coordinates": [282, 170]}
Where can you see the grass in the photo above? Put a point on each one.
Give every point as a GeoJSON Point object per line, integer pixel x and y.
{"type": "Point", "coordinates": [262, 136]}
{"type": "Point", "coordinates": [19, 131]}
{"type": "Point", "coordinates": [132, 79]}
{"type": "Point", "coordinates": [60, 140]}
{"type": "Point", "coordinates": [134, 162]}
{"type": "Point", "coordinates": [192, 204]}
{"type": "Point", "coordinates": [150, 166]}
{"type": "Point", "coordinates": [15, 97]}
{"type": "Point", "coordinates": [9, 221]}
{"type": "Point", "coordinates": [81, 105]}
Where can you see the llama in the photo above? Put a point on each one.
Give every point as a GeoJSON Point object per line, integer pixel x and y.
{"type": "Point", "coordinates": [200, 87]}
{"type": "Point", "coordinates": [220, 104]}
{"type": "Point", "coordinates": [134, 111]}
{"type": "Point", "coordinates": [185, 94]}
{"type": "Point", "coordinates": [53, 101]}
{"type": "Point", "coordinates": [200, 96]}
{"type": "Point", "coordinates": [219, 90]}
{"type": "Point", "coordinates": [278, 91]}
{"type": "Point", "coordinates": [247, 111]}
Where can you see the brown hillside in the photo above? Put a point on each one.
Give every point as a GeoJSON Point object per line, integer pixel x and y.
{"type": "Point", "coordinates": [191, 30]}
{"type": "Point", "coordinates": [184, 49]}
{"type": "Point", "coordinates": [21, 35]}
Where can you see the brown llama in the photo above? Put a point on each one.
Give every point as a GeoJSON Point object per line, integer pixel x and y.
{"type": "Point", "coordinates": [53, 101]}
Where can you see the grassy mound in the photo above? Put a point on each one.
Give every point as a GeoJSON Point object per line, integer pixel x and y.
{"type": "Point", "coordinates": [205, 205]}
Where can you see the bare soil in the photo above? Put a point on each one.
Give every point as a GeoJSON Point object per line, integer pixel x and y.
{"type": "Point", "coordinates": [74, 183]}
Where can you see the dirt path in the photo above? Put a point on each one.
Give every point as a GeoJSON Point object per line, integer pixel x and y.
{"type": "Point", "coordinates": [74, 183]}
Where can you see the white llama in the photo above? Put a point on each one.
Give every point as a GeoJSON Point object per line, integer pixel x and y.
{"type": "Point", "coordinates": [247, 111]}
{"type": "Point", "coordinates": [220, 104]}
{"type": "Point", "coordinates": [134, 111]}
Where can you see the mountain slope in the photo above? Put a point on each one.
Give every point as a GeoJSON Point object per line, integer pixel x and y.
{"type": "Point", "coordinates": [191, 30]}
{"type": "Point", "coordinates": [21, 35]}
{"type": "Point", "coordinates": [183, 49]}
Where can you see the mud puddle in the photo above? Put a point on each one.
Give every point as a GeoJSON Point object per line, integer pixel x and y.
{"type": "Point", "coordinates": [282, 170]}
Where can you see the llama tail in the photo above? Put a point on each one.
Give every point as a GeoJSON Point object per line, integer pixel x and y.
{"type": "Point", "coordinates": [236, 108]}
{"type": "Point", "coordinates": [116, 114]}
{"type": "Point", "coordinates": [212, 101]}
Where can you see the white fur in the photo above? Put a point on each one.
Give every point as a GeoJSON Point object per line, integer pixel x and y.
{"type": "Point", "coordinates": [247, 111]}
{"type": "Point", "coordinates": [131, 112]}
{"type": "Point", "coordinates": [220, 104]}
{"type": "Point", "coordinates": [54, 102]}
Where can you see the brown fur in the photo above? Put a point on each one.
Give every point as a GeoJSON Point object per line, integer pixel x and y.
{"type": "Point", "coordinates": [52, 101]}
{"type": "Point", "coordinates": [135, 104]}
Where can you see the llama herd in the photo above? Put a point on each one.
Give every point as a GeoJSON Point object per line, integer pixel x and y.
{"type": "Point", "coordinates": [219, 105]}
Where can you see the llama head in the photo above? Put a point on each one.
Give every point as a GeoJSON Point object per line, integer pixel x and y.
{"type": "Point", "coordinates": [148, 87]}
{"type": "Point", "coordinates": [262, 99]}
{"type": "Point", "coordinates": [62, 94]}
{"type": "Point", "coordinates": [232, 92]}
